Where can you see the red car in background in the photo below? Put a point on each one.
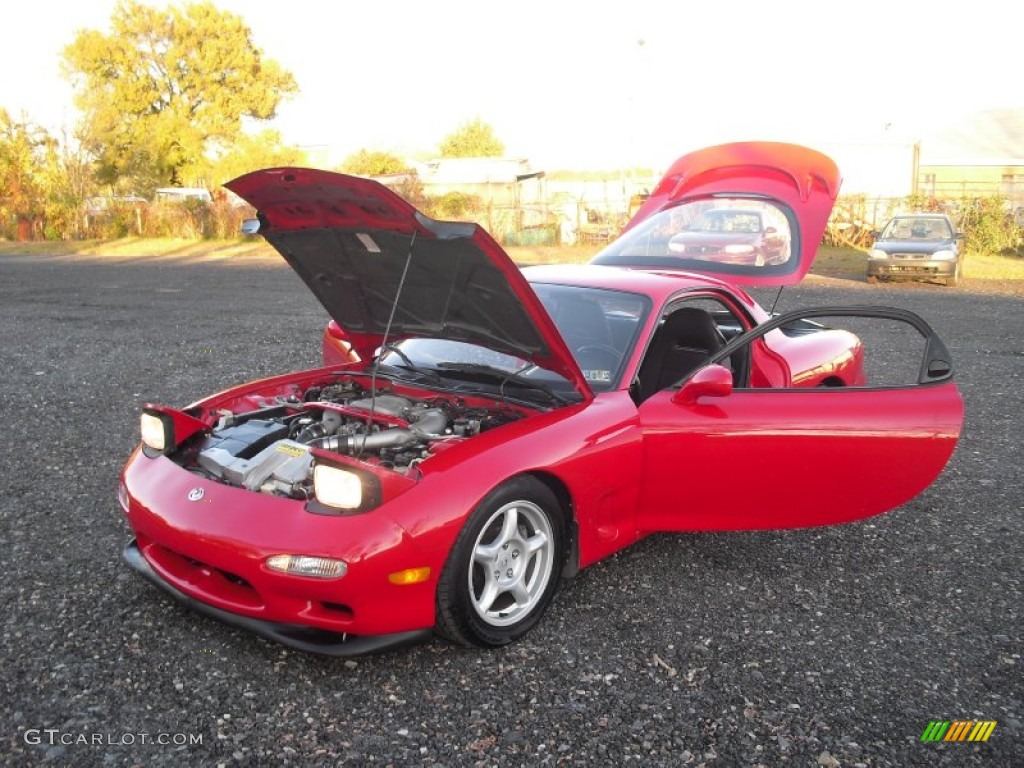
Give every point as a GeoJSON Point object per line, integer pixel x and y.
{"type": "Point", "coordinates": [734, 235]}
{"type": "Point", "coordinates": [480, 433]}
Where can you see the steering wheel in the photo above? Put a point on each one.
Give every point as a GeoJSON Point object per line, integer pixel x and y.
{"type": "Point", "coordinates": [597, 356]}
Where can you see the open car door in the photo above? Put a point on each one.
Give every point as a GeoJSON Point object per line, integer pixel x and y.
{"type": "Point", "coordinates": [720, 455]}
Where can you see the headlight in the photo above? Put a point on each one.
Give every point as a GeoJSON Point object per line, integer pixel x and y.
{"type": "Point", "coordinates": [944, 255]}
{"type": "Point", "coordinates": [308, 565]}
{"type": "Point", "coordinates": [874, 253]}
{"type": "Point", "coordinates": [676, 247]}
{"type": "Point", "coordinates": [738, 248]}
{"type": "Point", "coordinates": [154, 432]}
{"type": "Point", "coordinates": [337, 487]}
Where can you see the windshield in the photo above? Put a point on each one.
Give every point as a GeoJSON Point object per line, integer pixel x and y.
{"type": "Point", "coordinates": [430, 353]}
{"type": "Point", "coordinates": [910, 228]}
{"type": "Point", "coordinates": [599, 326]}
{"type": "Point", "coordinates": [471, 367]}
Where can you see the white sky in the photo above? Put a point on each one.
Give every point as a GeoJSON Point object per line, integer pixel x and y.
{"type": "Point", "coordinates": [586, 84]}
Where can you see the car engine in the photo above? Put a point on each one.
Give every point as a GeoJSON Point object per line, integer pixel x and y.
{"type": "Point", "coordinates": [269, 449]}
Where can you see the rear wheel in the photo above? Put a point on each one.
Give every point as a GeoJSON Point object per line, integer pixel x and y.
{"type": "Point", "coordinates": [504, 568]}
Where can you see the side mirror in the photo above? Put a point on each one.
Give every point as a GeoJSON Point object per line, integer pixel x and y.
{"type": "Point", "coordinates": [875, 234]}
{"type": "Point", "coordinates": [250, 226]}
{"type": "Point", "coordinates": [710, 381]}
{"type": "Point", "coordinates": [959, 236]}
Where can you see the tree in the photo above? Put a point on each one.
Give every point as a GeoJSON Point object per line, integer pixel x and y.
{"type": "Point", "coordinates": [23, 152]}
{"type": "Point", "coordinates": [373, 163]}
{"type": "Point", "coordinates": [168, 85]}
{"type": "Point", "coordinates": [472, 139]}
{"type": "Point", "coordinates": [251, 153]}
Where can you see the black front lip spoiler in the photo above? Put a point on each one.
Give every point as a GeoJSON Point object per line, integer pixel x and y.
{"type": "Point", "coordinates": [297, 636]}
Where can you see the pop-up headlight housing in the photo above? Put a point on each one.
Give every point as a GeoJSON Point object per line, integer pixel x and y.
{"type": "Point", "coordinates": [343, 487]}
{"type": "Point", "coordinates": [336, 487]}
{"type": "Point", "coordinates": [163, 429]}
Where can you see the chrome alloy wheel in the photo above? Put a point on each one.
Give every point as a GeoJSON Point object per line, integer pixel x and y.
{"type": "Point", "coordinates": [513, 561]}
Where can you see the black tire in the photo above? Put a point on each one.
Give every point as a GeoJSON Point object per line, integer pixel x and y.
{"type": "Point", "coordinates": [518, 533]}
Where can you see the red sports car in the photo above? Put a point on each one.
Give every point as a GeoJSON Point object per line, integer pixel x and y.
{"type": "Point", "coordinates": [480, 433]}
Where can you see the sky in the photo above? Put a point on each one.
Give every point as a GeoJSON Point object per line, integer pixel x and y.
{"type": "Point", "coordinates": [594, 84]}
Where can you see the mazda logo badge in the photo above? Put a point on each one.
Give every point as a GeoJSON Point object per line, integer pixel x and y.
{"type": "Point", "coordinates": [196, 494]}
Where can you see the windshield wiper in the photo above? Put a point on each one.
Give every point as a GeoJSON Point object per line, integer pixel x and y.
{"type": "Point", "coordinates": [505, 377]}
{"type": "Point", "coordinates": [409, 364]}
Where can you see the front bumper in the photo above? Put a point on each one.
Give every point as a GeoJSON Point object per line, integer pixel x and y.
{"type": "Point", "coordinates": [210, 542]}
{"type": "Point", "coordinates": [911, 268]}
{"type": "Point", "coordinates": [297, 636]}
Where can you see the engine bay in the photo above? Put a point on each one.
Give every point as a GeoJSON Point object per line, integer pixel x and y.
{"type": "Point", "coordinates": [270, 449]}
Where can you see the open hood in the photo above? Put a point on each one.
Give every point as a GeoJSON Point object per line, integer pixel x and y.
{"type": "Point", "coordinates": [353, 241]}
{"type": "Point", "coordinates": [752, 213]}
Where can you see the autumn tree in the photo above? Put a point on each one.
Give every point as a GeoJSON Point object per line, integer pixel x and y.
{"type": "Point", "coordinates": [373, 163]}
{"type": "Point", "coordinates": [472, 139]}
{"type": "Point", "coordinates": [251, 153]}
{"type": "Point", "coordinates": [23, 150]}
{"type": "Point", "coordinates": [168, 85]}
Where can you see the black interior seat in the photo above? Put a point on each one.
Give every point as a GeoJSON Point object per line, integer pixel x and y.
{"type": "Point", "coordinates": [684, 342]}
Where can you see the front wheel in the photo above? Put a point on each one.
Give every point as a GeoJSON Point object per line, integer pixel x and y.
{"type": "Point", "coordinates": [504, 568]}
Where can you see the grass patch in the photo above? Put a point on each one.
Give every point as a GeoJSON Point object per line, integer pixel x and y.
{"type": "Point", "coordinates": [853, 263]}
{"type": "Point", "coordinates": [141, 246]}
{"type": "Point", "coordinates": [993, 266]}
{"type": "Point", "coordinates": [840, 262]}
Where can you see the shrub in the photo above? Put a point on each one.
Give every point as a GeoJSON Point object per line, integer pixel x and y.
{"type": "Point", "coordinates": [453, 206]}
{"type": "Point", "coordinates": [986, 222]}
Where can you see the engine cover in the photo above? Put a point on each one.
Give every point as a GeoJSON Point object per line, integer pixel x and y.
{"type": "Point", "coordinates": [278, 467]}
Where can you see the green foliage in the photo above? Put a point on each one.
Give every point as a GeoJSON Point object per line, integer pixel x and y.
{"type": "Point", "coordinates": [453, 206]}
{"type": "Point", "coordinates": [366, 162]}
{"type": "Point", "coordinates": [472, 139]}
{"type": "Point", "coordinates": [986, 222]}
{"type": "Point", "coordinates": [23, 151]}
{"type": "Point", "coordinates": [988, 226]}
{"type": "Point", "coordinates": [190, 219]}
{"type": "Point", "coordinates": [165, 86]}
{"type": "Point", "coordinates": [40, 182]}
{"type": "Point", "coordinates": [251, 153]}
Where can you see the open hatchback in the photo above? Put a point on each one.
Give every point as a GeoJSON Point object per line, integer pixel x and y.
{"type": "Point", "coordinates": [753, 213]}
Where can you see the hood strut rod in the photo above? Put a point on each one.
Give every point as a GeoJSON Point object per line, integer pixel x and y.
{"type": "Point", "coordinates": [384, 343]}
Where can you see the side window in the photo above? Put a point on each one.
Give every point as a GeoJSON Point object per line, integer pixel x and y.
{"type": "Point", "coordinates": [689, 334]}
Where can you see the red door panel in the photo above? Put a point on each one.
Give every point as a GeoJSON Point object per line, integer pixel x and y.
{"type": "Point", "coordinates": [756, 459]}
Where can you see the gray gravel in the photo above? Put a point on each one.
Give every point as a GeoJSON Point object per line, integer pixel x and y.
{"type": "Point", "coordinates": [826, 647]}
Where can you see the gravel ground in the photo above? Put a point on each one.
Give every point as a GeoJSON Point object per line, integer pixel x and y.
{"type": "Point", "coordinates": [826, 647]}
